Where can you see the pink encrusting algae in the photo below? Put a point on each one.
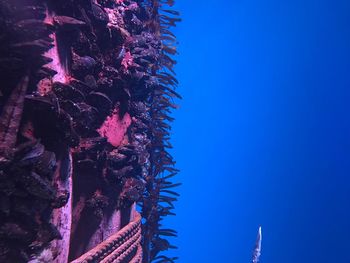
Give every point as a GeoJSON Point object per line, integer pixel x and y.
{"type": "Point", "coordinates": [127, 60]}
{"type": "Point", "coordinates": [114, 128]}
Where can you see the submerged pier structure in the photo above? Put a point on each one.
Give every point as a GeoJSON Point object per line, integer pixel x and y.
{"type": "Point", "coordinates": [87, 88]}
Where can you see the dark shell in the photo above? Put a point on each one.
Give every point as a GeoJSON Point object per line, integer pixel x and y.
{"type": "Point", "coordinates": [90, 81]}
{"type": "Point", "coordinates": [61, 199]}
{"type": "Point", "coordinates": [138, 108]}
{"type": "Point", "coordinates": [110, 72]}
{"type": "Point", "coordinates": [132, 189]}
{"type": "Point", "coordinates": [85, 88]}
{"type": "Point", "coordinates": [68, 92]}
{"type": "Point", "coordinates": [31, 29]}
{"type": "Point", "coordinates": [126, 171]}
{"type": "Point", "coordinates": [43, 60]}
{"type": "Point", "coordinates": [35, 46]}
{"type": "Point", "coordinates": [48, 71]}
{"type": "Point", "coordinates": [66, 23]}
{"type": "Point", "coordinates": [92, 144]}
{"type": "Point", "coordinates": [83, 65]}
{"type": "Point", "coordinates": [33, 156]}
{"type": "Point", "coordinates": [51, 121]}
{"type": "Point", "coordinates": [46, 164]}
{"type": "Point", "coordinates": [66, 127]}
{"type": "Point", "coordinates": [99, 14]}
{"type": "Point", "coordinates": [100, 101]}
{"type": "Point", "coordinates": [41, 103]}
{"type": "Point", "coordinates": [127, 150]}
{"type": "Point", "coordinates": [116, 160]}
{"type": "Point", "coordinates": [25, 148]}
{"type": "Point", "coordinates": [36, 185]}
{"type": "Point", "coordinates": [71, 108]}
{"type": "Point", "coordinates": [90, 118]}
{"type": "Point", "coordinates": [136, 21]}
{"type": "Point", "coordinates": [82, 45]}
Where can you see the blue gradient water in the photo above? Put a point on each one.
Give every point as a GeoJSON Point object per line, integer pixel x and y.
{"type": "Point", "coordinates": [263, 132]}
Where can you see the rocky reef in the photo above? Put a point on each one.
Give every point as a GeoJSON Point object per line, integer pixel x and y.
{"type": "Point", "coordinates": [87, 90]}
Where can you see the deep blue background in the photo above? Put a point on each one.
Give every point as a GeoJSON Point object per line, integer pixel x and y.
{"type": "Point", "coordinates": [263, 132]}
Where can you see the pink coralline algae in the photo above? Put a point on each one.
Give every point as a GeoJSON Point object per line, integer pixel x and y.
{"type": "Point", "coordinates": [127, 60]}
{"type": "Point", "coordinates": [114, 128]}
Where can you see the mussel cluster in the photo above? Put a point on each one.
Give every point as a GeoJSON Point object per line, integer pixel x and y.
{"type": "Point", "coordinates": [93, 79]}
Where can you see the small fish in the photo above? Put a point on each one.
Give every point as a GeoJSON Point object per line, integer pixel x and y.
{"type": "Point", "coordinates": [257, 248]}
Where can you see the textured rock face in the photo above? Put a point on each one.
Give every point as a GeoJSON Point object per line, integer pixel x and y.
{"type": "Point", "coordinates": [87, 87]}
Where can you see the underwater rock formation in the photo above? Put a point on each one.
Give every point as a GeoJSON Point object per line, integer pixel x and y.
{"type": "Point", "coordinates": [87, 87]}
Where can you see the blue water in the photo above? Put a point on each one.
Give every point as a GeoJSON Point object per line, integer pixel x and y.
{"type": "Point", "coordinates": [263, 133]}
